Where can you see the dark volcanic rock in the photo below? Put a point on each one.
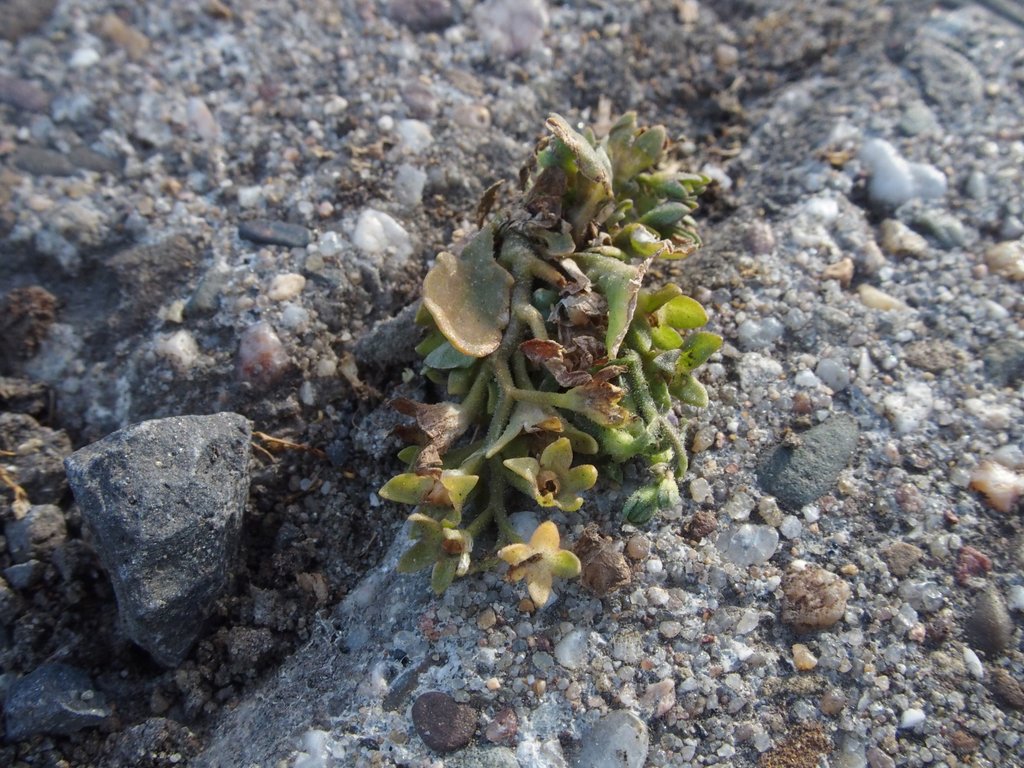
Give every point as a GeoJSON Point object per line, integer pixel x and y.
{"type": "Point", "coordinates": [1004, 362]}
{"type": "Point", "coordinates": [56, 699]}
{"type": "Point", "coordinates": [798, 476]}
{"type": "Point", "coordinates": [989, 627]}
{"type": "Point", "coordinates": [42, 162]}
{"type": "Point", "coordinates": [164, 501]}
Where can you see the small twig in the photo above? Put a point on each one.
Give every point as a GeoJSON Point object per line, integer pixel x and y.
{"type": "Point", "coordinates": [282, 444]}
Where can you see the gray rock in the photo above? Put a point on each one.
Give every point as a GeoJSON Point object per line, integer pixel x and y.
{"type": "Point", "coordinates": [38, 533]}
{"type": "Point", "coordinates": [617, 740]}
{"type": "Point", "coordinates": [798, 476]}
{"type": "Point", "coordinates": [10, 603]}
{"type": "Point", "coordinates": [948, 78]}
{"type": "Point", "coordinates": [164, 501]}
{"type": "Point", "coordinates": [55, 699]}
{"type": "Point", "coordinates": [392, 341]}
{"type": "Point", "coordinates": [25, 575]}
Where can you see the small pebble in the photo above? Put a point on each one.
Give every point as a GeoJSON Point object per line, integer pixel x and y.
{"type": "Point", "coordinates": [973, 664]}
{"type": "Point", "coordinates": [898, 239]}
{"type": "Point", "coordinates": [378, 235]}
{"type": "Point", "coordinates": [638, 547]}
{"type": "Point", "coordinates": [618, 740]}
{"type": "Point", "coordinates": [813, 599]}
{"type": "Point", "coordinates": [911, 718]}
{"type": "Point", "coordinates": [443, 723]}
{"type": "Point", "coordinates": [748, 544]}
{"type": "Point", "coordinates": [286, 287]}
{"type": "Point", "coordinates": [1001, 487]}
{"type": "Point", "coordinates": [803, 659]}
{"type": "Point", "coordinates": [894, 180]}
{"type": "Point", "coordinates": [989, 628]}
{"type": "Point", "coordinates": [269, 232]}
{"type": "Point", "coordinates": [877, 299]}
{"type": "Point", "coordinates": [1006, 259]}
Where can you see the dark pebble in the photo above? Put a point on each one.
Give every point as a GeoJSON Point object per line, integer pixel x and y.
{"type": "Point", "coordinates": [23, 95]}
{"type": "Point", "coordinates": [443, 723]}
{"type": "Point", "coordinates": [798, 476]}
{"type": "Point", "coordinates": [23, 17]}
{"type": "Point", "coordinates": [42, 162]}
{"type": "Point", "coordinates": [989, 627]}
{"type": "Point", "coordinates": [55, 698]}
{"type": "Point", "coordinates": [1004, 363]}
{"type": "Point", "coordinates": [422, 15]}
{"type": "Point", "coordinates": [91, 160]}
{"type": "Point", "coordinates": [1007, 689]}
{"type": "Point", "coordinates": [266, 232]}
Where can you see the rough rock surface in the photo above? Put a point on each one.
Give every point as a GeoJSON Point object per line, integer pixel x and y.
{"type": "Point", "coordinates": [164, 502]}
{"type": "Point", "coordinates": [55, 699]}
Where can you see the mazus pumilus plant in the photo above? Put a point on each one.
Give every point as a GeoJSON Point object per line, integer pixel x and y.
{"type": "Point", "coordinates": [550, 348]}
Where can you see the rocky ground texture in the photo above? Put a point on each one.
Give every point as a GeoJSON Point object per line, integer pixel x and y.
{"type": "Point", "coordinates": [227, 207]}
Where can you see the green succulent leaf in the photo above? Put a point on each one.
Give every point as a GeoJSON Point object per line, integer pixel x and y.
{"type": "Point", "coordinates": [620, 284]}
{"type": "Point", "coordinates": [445, 357]}
{"type": "Point", "coordinates": [592, 162]}
{"type": "Point", "coordinates": [443, 574]}
{"type": "Point", "coordinates": [469, 296]}
{"type": "Point", "coordinates": [407, 488]}
{"type": "Point", "coordinates": [697, 348]}
{"type": "Point", "coordinates": [688, 390]}
{"type": "Point", "coordinates": [665, 216]}
{"type": "Point", "coordinates": [565, 565]}
{"type": "Point", "coordinates": [682, 313]}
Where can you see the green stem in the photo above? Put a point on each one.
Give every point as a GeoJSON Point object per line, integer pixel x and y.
{"type": "Point", "coordinates": [476, 398]}
{"type": "Point", "coordinates": [532, 316]}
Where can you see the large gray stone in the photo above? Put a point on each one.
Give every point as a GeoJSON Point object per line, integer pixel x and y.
{"type": "Point", "coordinates": [800, 475]}
{"type": "Point", "coordinates": [54, 698]}
{"type": "Point", "coordinates": [164, 502]}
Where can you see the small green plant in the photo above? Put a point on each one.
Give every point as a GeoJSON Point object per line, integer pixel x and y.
{"type": "Point", "coordinates": [542, 333]}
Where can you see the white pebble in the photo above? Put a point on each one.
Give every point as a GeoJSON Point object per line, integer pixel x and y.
{"type": "Point", "coordinates": [249, 197]}
{"type": "Point", "coordinates": [84, 58]}
{"type": "Point", "coordinates": [330, 244]}
{"type": "Point", "coordinates": [894, 180]}
{"type": "Point", "coordinates": [378, 235]}
{"type": "Point", "coordinates": [201, 121]}
{"type": "Point", "coordinates": [806, 379]}
{"type": "Point", "coordinates": [908, 411]}
{"type": "Point", "coordinates": [414, 136]}
{"type": "Point", "coordinates": [1015, 598]}
{"type": "Point", "coordinates": [748, 544]}
{"type": "Point", "coordinates": [286, 286]}
{"type": "Point", "coordinates": [409, 184]}
{"type": "Point", "coordinates": [294, 317]}
{"type": "Point", "coordinates": [973, 664]}
{"type": "Point", "coordinates": [180, 349]}
{"type": "Point", "coordinates": [571, 650]}
{"type": "Point", "coordinates": [791, 527]}
{"type": "Point", "coordinates": [912, 717]}
{"type": "Point", "coordinates": [509, 27]}
{"type": "Point", "coordinates": [833, 374]}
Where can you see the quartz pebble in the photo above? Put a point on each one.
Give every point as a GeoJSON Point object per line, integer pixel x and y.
{"type": "Point", "coordinates": [748, 544]}
{"type": "Point", "coordinates": [617, 740]}
{"type": "Point", "coordinates": [911, 718]}
{"type": "Point", "coordinates": [571, 650]}
{"type": "Point", "coordinates": [286, 287]}
{"type": "Point", "coordinates": [894, 180]}
{"type": "Point", "coordinates": [1001, 487]}
{"type": "Point", "coordinates": [380, 237]}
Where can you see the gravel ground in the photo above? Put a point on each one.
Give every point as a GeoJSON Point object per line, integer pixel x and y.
{"type": "Point", "coordinates": [219, 206]}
